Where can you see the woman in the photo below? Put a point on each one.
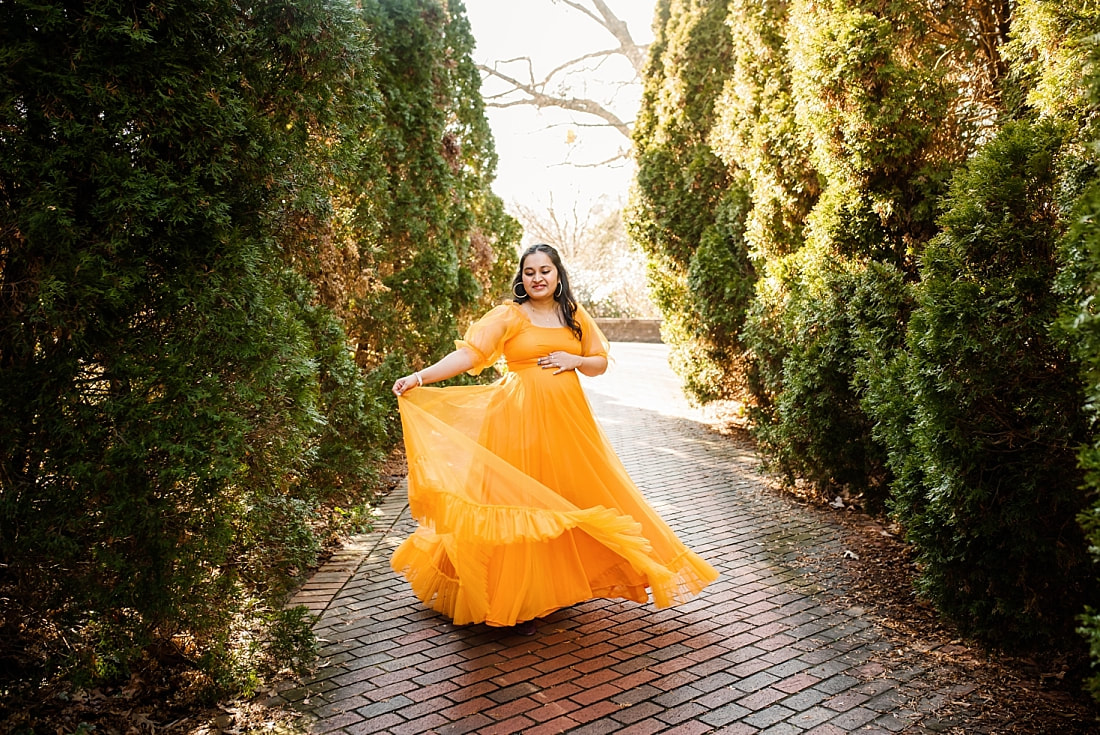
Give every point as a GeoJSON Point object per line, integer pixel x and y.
{"type": "Point", "coordinates": [523, 506]}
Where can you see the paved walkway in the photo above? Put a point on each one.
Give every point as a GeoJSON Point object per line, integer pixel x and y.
{"type": "Point", "coordinates": [771, 647]}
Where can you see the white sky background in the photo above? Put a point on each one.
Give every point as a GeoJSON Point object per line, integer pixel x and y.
{"type": "Point", "coordinates": [533, 145]}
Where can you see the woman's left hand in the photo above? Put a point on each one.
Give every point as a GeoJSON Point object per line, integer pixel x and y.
{"type": "Point", "coordinates": [561, 360]}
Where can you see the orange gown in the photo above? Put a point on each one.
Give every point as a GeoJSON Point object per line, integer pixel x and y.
{"type": "Point", "coordinates": [521, 503]}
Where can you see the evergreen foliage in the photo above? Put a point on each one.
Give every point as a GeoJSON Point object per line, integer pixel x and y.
{"type": "Point", "coordinates": [755, 129]}
{"type": "Point", "coordinates": [815, 426]}
{"type": "Point", "coordinates": [1077, 284]}
{"type": "Point", "coordinates": [687, 209]}
{"type": "Point", "coordinates": [867, 103]}
{"type": "Point", "coordinates": [420, 209]}
{"type": "Point", "coordinates": [1081, 322]}
{"type": "Point", "coordinates": [989, 493]}
{"type": "Point", "coordinates": [926, 382]}
{"type": "Point", "coordinates": [1050, 57]}
{"type": "Point", "coordinates": [193, 197]}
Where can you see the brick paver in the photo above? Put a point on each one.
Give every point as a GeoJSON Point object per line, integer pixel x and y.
{"type": "Point", "coordinates": [770, 647]}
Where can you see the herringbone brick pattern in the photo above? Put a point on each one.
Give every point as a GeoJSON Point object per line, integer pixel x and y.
{"type": "Point", "coordinates": [771, 647]}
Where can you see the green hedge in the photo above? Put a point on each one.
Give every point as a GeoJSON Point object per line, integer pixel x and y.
{"type": "Point", "coordinates": [990, 496]}
{"type": "Point", "coordinates": [193, 197]}
{"type": "Point", "coordinates": [810, 421]}
{"type": "Point", "coordinates": [1081, 322]}
{"type": "Point", "coordinates": [1077, 284]}
{"type": "Point", "coordinates": [865, 104]}
{"type": "Point", "coordinates": [896, 182]}
{"type": "Point", "coordinates": [687, 211]}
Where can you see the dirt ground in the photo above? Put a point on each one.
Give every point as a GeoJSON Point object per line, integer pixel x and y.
{"type": "Point", "coordinates": [1037, 694]}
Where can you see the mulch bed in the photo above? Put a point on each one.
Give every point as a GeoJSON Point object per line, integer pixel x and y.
{"type": "Point", "coordinates": [1038, 693]}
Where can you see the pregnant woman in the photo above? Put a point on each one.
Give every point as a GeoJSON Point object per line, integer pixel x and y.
{"type": "Point", "coordinates": [522, 505]}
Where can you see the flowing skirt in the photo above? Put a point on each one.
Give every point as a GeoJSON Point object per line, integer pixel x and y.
{"type": "Point", "coordinates": [524, 508]}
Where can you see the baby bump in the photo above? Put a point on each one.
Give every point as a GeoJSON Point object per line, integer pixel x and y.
{"type": "Point", "coordinates": [531, 415]}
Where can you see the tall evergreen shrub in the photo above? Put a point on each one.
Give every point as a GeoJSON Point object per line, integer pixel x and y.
{"type": "Point", "coordinates": [816, 428]}
{"type": "Point", "coordinates": [869, 106]}
{"type": "Point", "coordinates": [687, 207]}
{"type": "Point", "coordinates": [1067, 84]}
{"type": "Point", "coordinates": [988, 489]}
{"type": "Point", "coordinates": [1079, 282]}
{"type": "Point", "coordinates": [755, 129]}
{"type": "Point", "coordinates": [418, 208]}
{"type": "Point", "coordinates": [174, 408]}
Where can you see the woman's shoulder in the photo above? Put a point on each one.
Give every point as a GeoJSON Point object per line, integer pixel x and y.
{"type": "Point", "coordinates": [506, 308]}
{"type": "Point", "coordinates": [507, 312]}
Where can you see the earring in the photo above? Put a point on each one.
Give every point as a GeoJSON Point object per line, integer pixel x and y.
{"type": "Point", "coordinates": [558, 290]}
{"type": "Point", "coordinates": [522, 291]}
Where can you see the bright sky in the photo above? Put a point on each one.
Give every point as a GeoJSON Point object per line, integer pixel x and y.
{"type": "Point", "coordinates": [536, 147]}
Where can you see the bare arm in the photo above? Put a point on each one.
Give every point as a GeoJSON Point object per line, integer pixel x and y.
{"type": "Point", "coordinates": [451, 365]}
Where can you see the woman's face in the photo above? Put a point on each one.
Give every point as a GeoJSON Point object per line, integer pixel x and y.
{"type": "Point", "coordinates": [540, 277]}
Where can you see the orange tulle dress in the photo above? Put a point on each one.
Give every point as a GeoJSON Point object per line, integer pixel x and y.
{"type": "Point", "coordinates": [522, 506]}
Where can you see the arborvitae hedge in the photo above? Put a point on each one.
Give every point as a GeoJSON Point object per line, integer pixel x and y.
{"type": "Point", "coordinates": [435, 238]}
{"type": "Point", "coordinates": [755, 130]}
{"type": "Point", "coordinates": [988, 491]}
{"type": "Point", "coordinates": [1082, 324]}
{"type": "Point", "coordinates": [1078, 284]}
{"type": "Point", "coordinates": [687, 209]}
{"type": "Point", "coordinates": [929, 382]}
{"type": "Point", "coordinates": [867, 104]}
{"type": "Point", "coordinates": [178, 413]}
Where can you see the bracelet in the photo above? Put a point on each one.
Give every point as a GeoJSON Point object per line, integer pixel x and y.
{"type": "Point", "coordinates": [419, 380]}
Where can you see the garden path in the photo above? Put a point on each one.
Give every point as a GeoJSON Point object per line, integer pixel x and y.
{"type": "Point", "coordinates": [775, 646]}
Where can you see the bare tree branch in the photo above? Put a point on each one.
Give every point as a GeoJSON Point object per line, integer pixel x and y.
{"type": "Point", "coordinates": [622, 155]}
{"type": "Point", "coordinates": [616, 27]}
{"type": "Point", "coordinates": [533, 93]}
{"type": "Point", "coordinates": [579, 8]}
{"type": "Point", "coordinates": [578, 60]}
{"type": "Point", "coordinates": [536, 97]}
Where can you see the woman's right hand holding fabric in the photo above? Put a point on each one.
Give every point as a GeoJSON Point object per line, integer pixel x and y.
{"type": "Point", "coordinates": [401, 385]}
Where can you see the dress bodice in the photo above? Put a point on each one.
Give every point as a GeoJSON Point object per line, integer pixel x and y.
{"type": "Point", "coordinates": [507, 331]}
{"type": "Point", "coordinates": [531, 342]}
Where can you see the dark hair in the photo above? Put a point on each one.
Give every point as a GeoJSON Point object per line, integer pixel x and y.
{"type": "Point", "coordinates": [565, 299]}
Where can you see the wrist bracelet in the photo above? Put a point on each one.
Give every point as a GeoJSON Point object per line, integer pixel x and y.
{"type": "Point", "coordinates": [419, 380]}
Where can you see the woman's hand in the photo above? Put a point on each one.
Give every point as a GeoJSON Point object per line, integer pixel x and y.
{"type": "Point", "coordinates": [561, 360]}
{"type": "Point", "coordinates": [406, 383]}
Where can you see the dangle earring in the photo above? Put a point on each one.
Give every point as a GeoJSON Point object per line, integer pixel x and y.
{"type": "Point", "coordinates": [558, 290]}
{"type": "Point", "coordinates": [522, 291]}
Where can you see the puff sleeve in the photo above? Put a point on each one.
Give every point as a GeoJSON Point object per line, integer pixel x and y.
{"type": "Point", "coordinates": [485, 338]}
{"type": "Point", "coordinates": [593, 341]}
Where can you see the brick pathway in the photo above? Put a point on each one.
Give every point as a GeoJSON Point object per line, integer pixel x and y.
{"type": "Point", "coordinates": [771, 647]}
